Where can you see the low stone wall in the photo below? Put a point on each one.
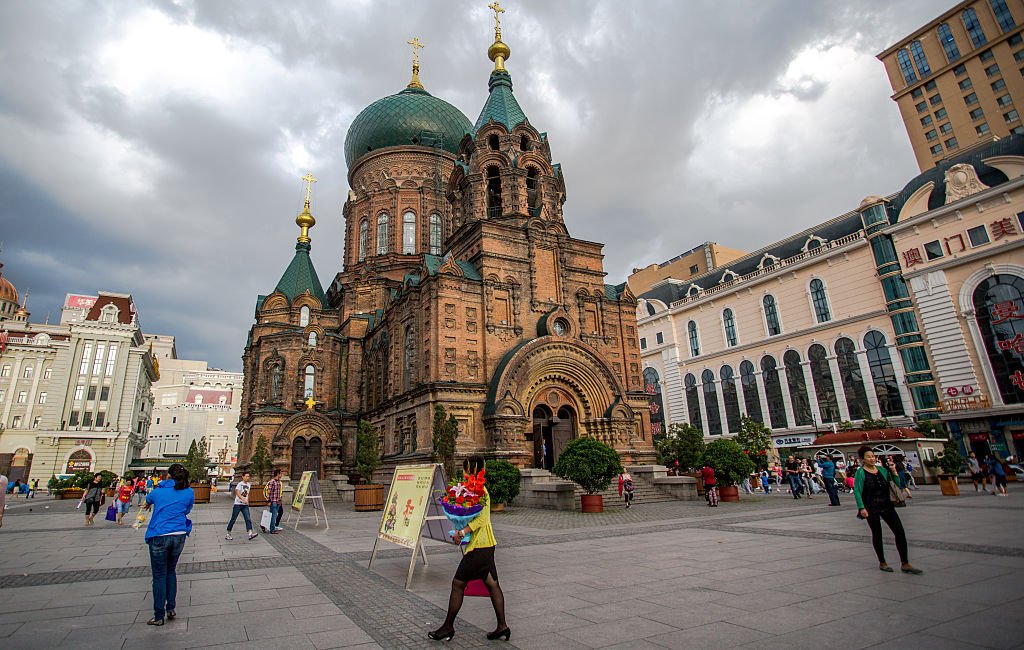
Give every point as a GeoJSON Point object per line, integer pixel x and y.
{"type": "Point", "coordinates": [539, 489]}
{"type": "Point", "coordinates": [683, 488]}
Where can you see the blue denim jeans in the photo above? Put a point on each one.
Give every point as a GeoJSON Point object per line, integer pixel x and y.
{"type": "Point", "coordinates": [245, 515]}
{"type": "Point", "coordinates": [794, 485]}
{"type": "Point", "coordinates": [275, 516]}
{"type": "Point", "coordinates": [164, 551]}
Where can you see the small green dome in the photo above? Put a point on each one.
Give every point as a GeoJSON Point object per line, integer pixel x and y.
{"type": "Point", "coordinates": [412, 116]}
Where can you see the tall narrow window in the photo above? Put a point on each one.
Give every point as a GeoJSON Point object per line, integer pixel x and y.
{"type": "Point", "coordinates": [304, 316]}
{"type": "Point", "coordinates": [382, 234]}
{"type": "Point", "coordinates": [729, 321]}
{"type": "Point", "coordinates": [771, 315]}
{"type": "Point", "coordinates": [111, 360]}
{"type": "Point", "coordinates": [824, 387]}
{"type": "Point", "coordinates": [693, 401]}
{"type": "Point", "coordinates": [311, 342]}
{"type": "Point", "coordinates": [903, 57]}
{"type": "Point", "coordinates": [307, 391]}
{"type": "Point", "coordinates": [797, 388]}
{"type": "Point", "coordinates": [652, 386]}
{"type": "Point", "coordinates": [883, 375]}
{"type": "Point", "coordinates": [691, 328]}
{"type": "Point", "coordinates": [853, 382]}
{"type": "Point", "coordinates": [1003, 15]}
{"type": "Point", "coordinates": [773, 392]}
{"type": "Point", "coordinates": [364, 238]}
{"type": "Point", "coordinates": [409, 233]}
{"type": "Point", "coordinates": [973, 27]}
{"type": "Point", "coordinates": [533, 191]}
{"type": "Point", "coordinates": [86, 357]}
{"type": "Point", "coordinates": [711, 403]}
{"type": "Point", "coordinates": [493, 193]}
{"type": "Point", "coordinates": [409, 359]}
{"type": "Point", "coordinates": [97, 366]}
{"type": "Point", "coordinates": [731, 399]}
{"type": "Point", "coordinates": [948, 43]}
{"type": "Point", "coordinates": [820, 301]}
{"type": "Point", "coordinates": [751, 398]}
{"type": "Point", "coordinates": [919, 58]}
{"type": "Point", "coordinates": [998, 307]}
{"type": "Point", "coordinates": [435, 234]}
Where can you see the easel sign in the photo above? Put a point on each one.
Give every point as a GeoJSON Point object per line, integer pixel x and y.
{"type": "Point", "coordinates": [308, 490]}
{"type": "Point", "coordinates": [412, 502]}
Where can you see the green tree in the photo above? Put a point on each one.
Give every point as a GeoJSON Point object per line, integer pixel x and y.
{"type": "Point", "coordinates": [589, 463]}
{"type": "Point", "coordinates": [367, 456]}
{"type": "Point", "coordinates": [684, 444]}
{"type": "Point", "coordinates": [502, 481]}
{"type": "Point", "coordinates": [445, 432]}
{"type": "Point", "coordinates": [260, 461]}
{"type": "Point", "coordinates": [730, 463]}
{"type": "Point", "coordinates": [196, 460]}
{"type": "Point", "coordinates": [871, 423]}
{"type": "Point", "coordinates": [755, 439]}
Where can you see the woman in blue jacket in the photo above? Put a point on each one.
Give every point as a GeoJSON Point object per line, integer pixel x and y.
{"type": "Point", "coordinates": [170, 501]}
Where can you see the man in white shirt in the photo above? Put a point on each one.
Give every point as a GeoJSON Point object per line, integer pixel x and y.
{"type": "Point", "coordinates": [241, 506]}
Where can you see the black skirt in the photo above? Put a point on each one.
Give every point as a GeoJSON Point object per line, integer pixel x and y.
{"type": "Point", "coordinates": [476, 564]}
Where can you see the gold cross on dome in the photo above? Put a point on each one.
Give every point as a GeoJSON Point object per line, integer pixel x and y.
{"type": "Point", "coordinates": [416, 47]}
{"type": "Point", "coordinates": [496, 8]}
{"type": "Point", "coordinates": [309, 184]}
{"type": "Point", "coordinates": [310, 403]}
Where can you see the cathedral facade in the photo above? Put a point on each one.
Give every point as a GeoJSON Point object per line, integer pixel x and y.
{"type": "Point", "coordinates": [460, 286]}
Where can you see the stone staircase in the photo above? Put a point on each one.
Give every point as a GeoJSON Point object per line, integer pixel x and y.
{"type": "Point", "coordinates": [642, 493]}
{"type": "Point", "coordinates": [540, 489]}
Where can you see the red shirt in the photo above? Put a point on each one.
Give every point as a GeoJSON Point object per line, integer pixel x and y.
{"type": "Point", "coordinates": [708, 475]}
{"type": "Point", "coordinates": [125, 493]}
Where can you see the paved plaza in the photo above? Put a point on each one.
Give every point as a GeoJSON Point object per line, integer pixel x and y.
{"type": "Point", "coordinates": [769, 572]}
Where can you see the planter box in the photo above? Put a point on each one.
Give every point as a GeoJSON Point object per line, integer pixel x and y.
{"type": "Point", "coordinates": [497, 507]}
{"type": "Point", "coordinates": [109, 492]}
{"type": "Point", "coordinates": [949, 485]}
{"type": "Point", "coordinates": [729, 493]}
{"type": "Point", "coordinates": [256, 496]}
{"type": "Point", "coordinates": [591, 503]}
{"type": "Point", "coordinates": [202, 492]}
{"type": "Point", "coordinates": [369, 497]}
{"type": "Point", "coordinates": [71, 493]}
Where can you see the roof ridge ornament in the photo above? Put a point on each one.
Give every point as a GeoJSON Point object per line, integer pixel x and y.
{"type": "Point", "coordinates": [416, 47]}
{"type": "Point", "coordinates": [498, 51]}
{"type": "Point", "coordinates": [305, 220]}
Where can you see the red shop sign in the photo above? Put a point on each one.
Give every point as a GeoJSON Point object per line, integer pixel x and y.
{"type": "Point", "coordinates": [1018, 435]}
{"type": "Point", "coordinates": [978, 437]}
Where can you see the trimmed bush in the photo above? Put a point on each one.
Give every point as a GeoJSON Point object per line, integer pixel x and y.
{"type": "Point", "coordinates": [730, 463]}
{"type": "Point", "coordinates": [589, 463]}
{"type": "Point", "coordinates": [367, 459]}
{"type": "Point", "coordinates": [502, 481]}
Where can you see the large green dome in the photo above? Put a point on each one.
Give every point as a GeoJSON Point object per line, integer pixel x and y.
{"type": "Point", "coordinates": [412, 116]}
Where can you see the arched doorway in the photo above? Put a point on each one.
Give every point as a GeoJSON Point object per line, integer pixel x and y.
{"type": "Point", "coordinates": [543, 458]}
{"type": "Point", "coordinates": [563, 429]}
{"type": "Point", "coordinates": [306, 456]}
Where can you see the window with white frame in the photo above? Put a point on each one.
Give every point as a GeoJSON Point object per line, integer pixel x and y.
{"type": "Point", "coordinates": [409, 233]}
{"type": "Point", "coordinates": [691, 329]}
{"type": "Point", "coordinates": [382, 233]}
{"type": "Point", "coordinates": [5, 371]}
{"type": "Point", "coordinates": [771, 315]}
{"type": "Point", "coordinates": [22, 397]}
{"type": "Point", "coordinates": [304, 316]}
{"type": "Point", "coordinates": [311, 341]}
{"type": "Point", "coordinates": [364, 239]}
{"type": "Point", "coordinates": [435, 234]}
{"type": "Point", "coordinates": [83, 369]}
{"type": "Point", "coordinates": [820, 301]}
{"type": "Point", "coordinates": [79, 392]}
{"type": "Point", "coordinates": [111, 359]}
{"type": "Point", "coordinates": [47, 373]}
{"type": "Point", "coordinates": [729, 323]}
{"type": "Point", "coordinates": [310, 375]}
{"type": "Point", "coordinates": [42, 398]}
{"type": "Point", "coordinates": [27, 372]}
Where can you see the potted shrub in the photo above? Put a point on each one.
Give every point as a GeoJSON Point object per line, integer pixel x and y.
{"type": "Point", "coordinates": [444, 433]}
{"type": "Point", "coordinates": [731, 464]}
{"type": "Point", "coordinates": [196, 463]}
{"type": "Point", "coordinates": [949, 462]}
{"type": "Point", "coordinates": [259, 466]}
{"type": "Point", "coordinates": [502, 483]}
{"type": "Point", "coordinates": [681, 451]}
{"type": "Point", "coordinates": [369, 495]}
{"type": "Point", "coordinates": [592, 465]}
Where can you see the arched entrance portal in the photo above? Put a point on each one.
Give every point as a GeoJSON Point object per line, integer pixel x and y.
{"type": "Point", "coordinates": [551, 433]}
{"type": "Point", "coordinates": [305, 456]}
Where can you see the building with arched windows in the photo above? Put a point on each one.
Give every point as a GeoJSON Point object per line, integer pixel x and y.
{"type": "Point", "coordinates": [460, 286]}
{"type": "Point", "coordinates": [877, 313]}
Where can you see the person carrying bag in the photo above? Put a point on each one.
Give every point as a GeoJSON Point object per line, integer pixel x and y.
{"type": "Point", "coordinates": [874, 491]}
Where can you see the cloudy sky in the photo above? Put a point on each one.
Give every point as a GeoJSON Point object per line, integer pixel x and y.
{"type": "Point", "coordinates": [155, 147]}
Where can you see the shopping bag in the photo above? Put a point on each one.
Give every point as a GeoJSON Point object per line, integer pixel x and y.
{"type": "Point", "coordinates": [477, 588]}
{"type": "Point", "coordinates": [112, 513]}
{"type": "Point", "coordinates": [265, 519]}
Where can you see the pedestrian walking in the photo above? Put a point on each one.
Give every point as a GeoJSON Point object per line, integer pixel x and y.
{"type": "Point", "coordinates": [765, 484]}
{"type": "Point", "coordinates": [805, 479]}
{"type": "Point", "coordinates": [93, 498]}
{"type": "Point", "coordinates": [476, 564]}
{"type": "Point", "coordinates": [793, 476]}
{"type": "Point", "coordinates": [274, 499]}
{"type": "Point", "coordinates": [170, 501]}
{"type": "Point", "coordinates": [872, 489]}
{"type": "Point", "coordinates": [241, 505]}
{"type": "Point", "coordinates": [707, 475]}
{"type": "Point", "coordinates": [746, 485]}
{"type": "Point", "coordinates": [3, 497]}
{"type": "Point", "coordinates": [911, 481]}
{"type": "Point", "coordinates": [901, 475]}
{"type": "Point", "coordinates": [626, 488]}
{"type": "Point", "coordinates": [998, 474]}
{"type": "Point", "coordinates": [140, 490]}
{"type": "Point", "coordinates": [123, 500]}
{"type": "Point", "coordinates": [828, 476]}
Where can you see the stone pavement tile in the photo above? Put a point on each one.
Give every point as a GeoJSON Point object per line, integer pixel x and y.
{"type": "Point", "coordinates": [785, 619]}
{"type": "Point", "coordinates": [765, 599]}
{"type": "Point", "coordinates": [313, 611]}
{"type": "Point", "coordinates": [41, 614]}
{"type": "Point", "coordinates": [616, 611]}
{"type": "Point", "coordinates": [21, 605]}
{"type": "Point", "coordinates": [209, 609]}
{"type": "Point", "coordinates": [547, 642]}
{"type": "Point", "coordinates": [709, 637]}
{"type": "Point", "coordinates": [938, 607]}
{"type": "Point", "coordinates": [7, 629]}
{"type": "Point", "coordinates": [193, 634]}
{"type": "Point", "coordinates": [543, 605]}
{"type": "Point", "coordinates": [297, 642]}
{"type": "Point", "coordinates": [35, 636]}
{"type": "Point", "coordinates": [620, 631]}
{"type": "Point", "coordinates": [544, 624]}
{"type": "Point", "coordinates": [251, 594]}
{"type": "Point", "coordinates": [303, 590]}
{"type": "Point", "coordinates": [992, 591]}
{"type": "Point", "coordinates": [261, 630]}
{"type": "Point", "coordinates": [872, 627]}
{"type": "Point", "coordinates": [342, 638]}
{"type": "Point", "coordinates": [638, 644]}
{"type": "Point", "coordinates": [993, 627]}
{"type": "Point", "coordinates": [293, 601]}
{"type": "Point", "coordinates": [930, 641]}
{"type": "Point", "coordinates": [904, 587]}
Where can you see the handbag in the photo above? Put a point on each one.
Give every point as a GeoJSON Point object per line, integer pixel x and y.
{"type": "Point", "coordinates": [895, 496]}
{"type": "Point", "coordinates": [265, 520]}
{"type": "Point", "coordinates": [111, 513]}
{"type": "Point", "coordinates": [477, 588]}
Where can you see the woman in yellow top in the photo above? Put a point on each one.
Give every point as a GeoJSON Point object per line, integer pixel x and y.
{"type": "Point", "coordinates": [477, 564]}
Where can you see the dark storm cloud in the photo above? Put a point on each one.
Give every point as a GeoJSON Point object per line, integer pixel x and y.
{"type": "Point", "coordinates": [155, 148]}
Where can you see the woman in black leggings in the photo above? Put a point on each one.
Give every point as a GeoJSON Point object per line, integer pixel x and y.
{"type": "Point", "coordinates": [871, 488]}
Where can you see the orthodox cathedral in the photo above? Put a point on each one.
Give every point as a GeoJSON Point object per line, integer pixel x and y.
{"type": "Point", "coordinates": [460, 286]}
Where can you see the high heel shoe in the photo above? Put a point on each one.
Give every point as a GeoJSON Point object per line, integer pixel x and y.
{"type": "Point", "coordinates": [498, 634]}
{"type": "Point", "coordinates": [442, 634]}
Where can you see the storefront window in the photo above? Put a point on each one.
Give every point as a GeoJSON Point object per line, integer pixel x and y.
{"type": "Point", "coordinates": [883, 375]}
{"type": "Point", "coordinates": [711, 403]}
{"type": "Point", "coordinates": [692, 402]}
{"type": "Point", "coordinates": [751, 398]}
{"type": "Point", "coordinates": [652, 386]}
{"type": "Point", "coordinates": [773, 391]}
{"type": "Point", "coordinates": [797, 388]}
{"type": "Point", "coordinates": [732, 403]}
{"type": "Point", "coordinates": [999, 309]}
{"type": "Point", "coordinates": [853, 382]}
{"type": "Point", "coordinates": [824, 387]}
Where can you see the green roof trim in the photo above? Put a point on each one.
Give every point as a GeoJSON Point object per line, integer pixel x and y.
{"type": "Point", "coordinates": [434, 262]}
{"type": "Point", "coordinates": [501, 105]}
{"type": "Point", "coordinates": [300, 276]}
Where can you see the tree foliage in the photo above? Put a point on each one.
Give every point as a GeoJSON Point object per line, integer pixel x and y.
{"type": "Point", "coordinates": [502, 481]}
{"type": "Point", "coordinates": [367, 456]}
{"type": "Point", "coordinates": [589, 463]}
{"type": "Point", "coordinates": [755, 439]}
{"type": "Point", "coordinates": [730, 463]}
{"type": "Point", "coordinates": [684, 444]}
{"type": "Point", "coordinates": [445, 432]}
{"type": "Point", "coordinates": [260, 461]}
{"type": "Point", "coordinates": [196, 460]}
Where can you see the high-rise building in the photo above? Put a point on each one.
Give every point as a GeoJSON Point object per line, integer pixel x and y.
{"type": "Point", "coordinates": [697, 260]}
{"type": "Point", "coordinates": [959, 80]}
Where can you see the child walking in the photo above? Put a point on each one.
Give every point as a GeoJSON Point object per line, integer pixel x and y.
{"type": "Point", "coordinates": [626, 487]}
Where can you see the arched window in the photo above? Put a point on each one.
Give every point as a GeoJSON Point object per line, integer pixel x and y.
{"type": "Point", "coordinates": [731, 399]}
{"type": "Point", "coordinates": [883, 375]}
{"type": "Point", "coordinates": [948, 43]}
{"type": "Point", "coordinates": [919, 59]}
{"type": "Point", "coordinates": [973, 27]}
{"type": "Point", "coordinates": [79, 461]}
{"type": "Point", "coordinates": [903, 57]}
{"type": "Point", "coordinates": [364, 238]}
{"type": "Point", "coordinates": [751, 398]}
{"type": "Point", "coordinates": [999, 309]}
{"type": "Point", "coordinates": [711, 403]}
{"type": "Point", "coordinates": [532, 189]}
{"type": "Point", "coordinates": [824, 387]}
{"type": "Point", "coordinates": [382, 233]}
{"type": "Point", "coordinates": [275, 383]}
{"type": "Point", "coordinates": [771, 315]}
{"type": "Point", "coordinates": [820, 301]}
{"type": "Point", "coordinates": [729, 322]}
{"type": "Point", "coordinates": [773, 393]}
{"type": "Point", "coordinates": [493, 192]}
{"type": "Point", "coordinates": [692, 401]}
{"type": "Point", "coordinates": [198, 399]}
{"type": "Point", "coordinates": [311, 342]}
{"type": "Point", "coordinates": [797, 388]}
{"type": "Point", "coordinates": [691, 328]}
{"type": "Point", "coordinates": [310, 376]}
{"type": "Point", "coordinates": [1003, 15]}
{"type": "Point", "coordinates": [492, 142]}
{"type": "Point", "coordinates": [435, 234]}
{"type": "Point", "coordinates": [304, 316]}
{"type": "Point", "coordinates": [409, 233]}
{"type": "Point", "coordinates": [652, 386]}
{"type": "Point", "coordinates": [853, 382]}
{"type": "Point", "coordinates": [409, 358]}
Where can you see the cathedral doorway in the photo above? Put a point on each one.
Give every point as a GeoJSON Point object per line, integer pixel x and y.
{"type": "Point", "coordinates": [551, 433]}
{"type": "Point", "coordinates": [306, 456]}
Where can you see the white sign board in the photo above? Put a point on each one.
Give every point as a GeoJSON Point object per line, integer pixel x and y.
{"type": "Point", "coordinates": [795, 440]}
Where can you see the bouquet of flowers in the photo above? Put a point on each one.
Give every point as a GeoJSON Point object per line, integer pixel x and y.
{"type": "Point", "coordinates": [464, 501]}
